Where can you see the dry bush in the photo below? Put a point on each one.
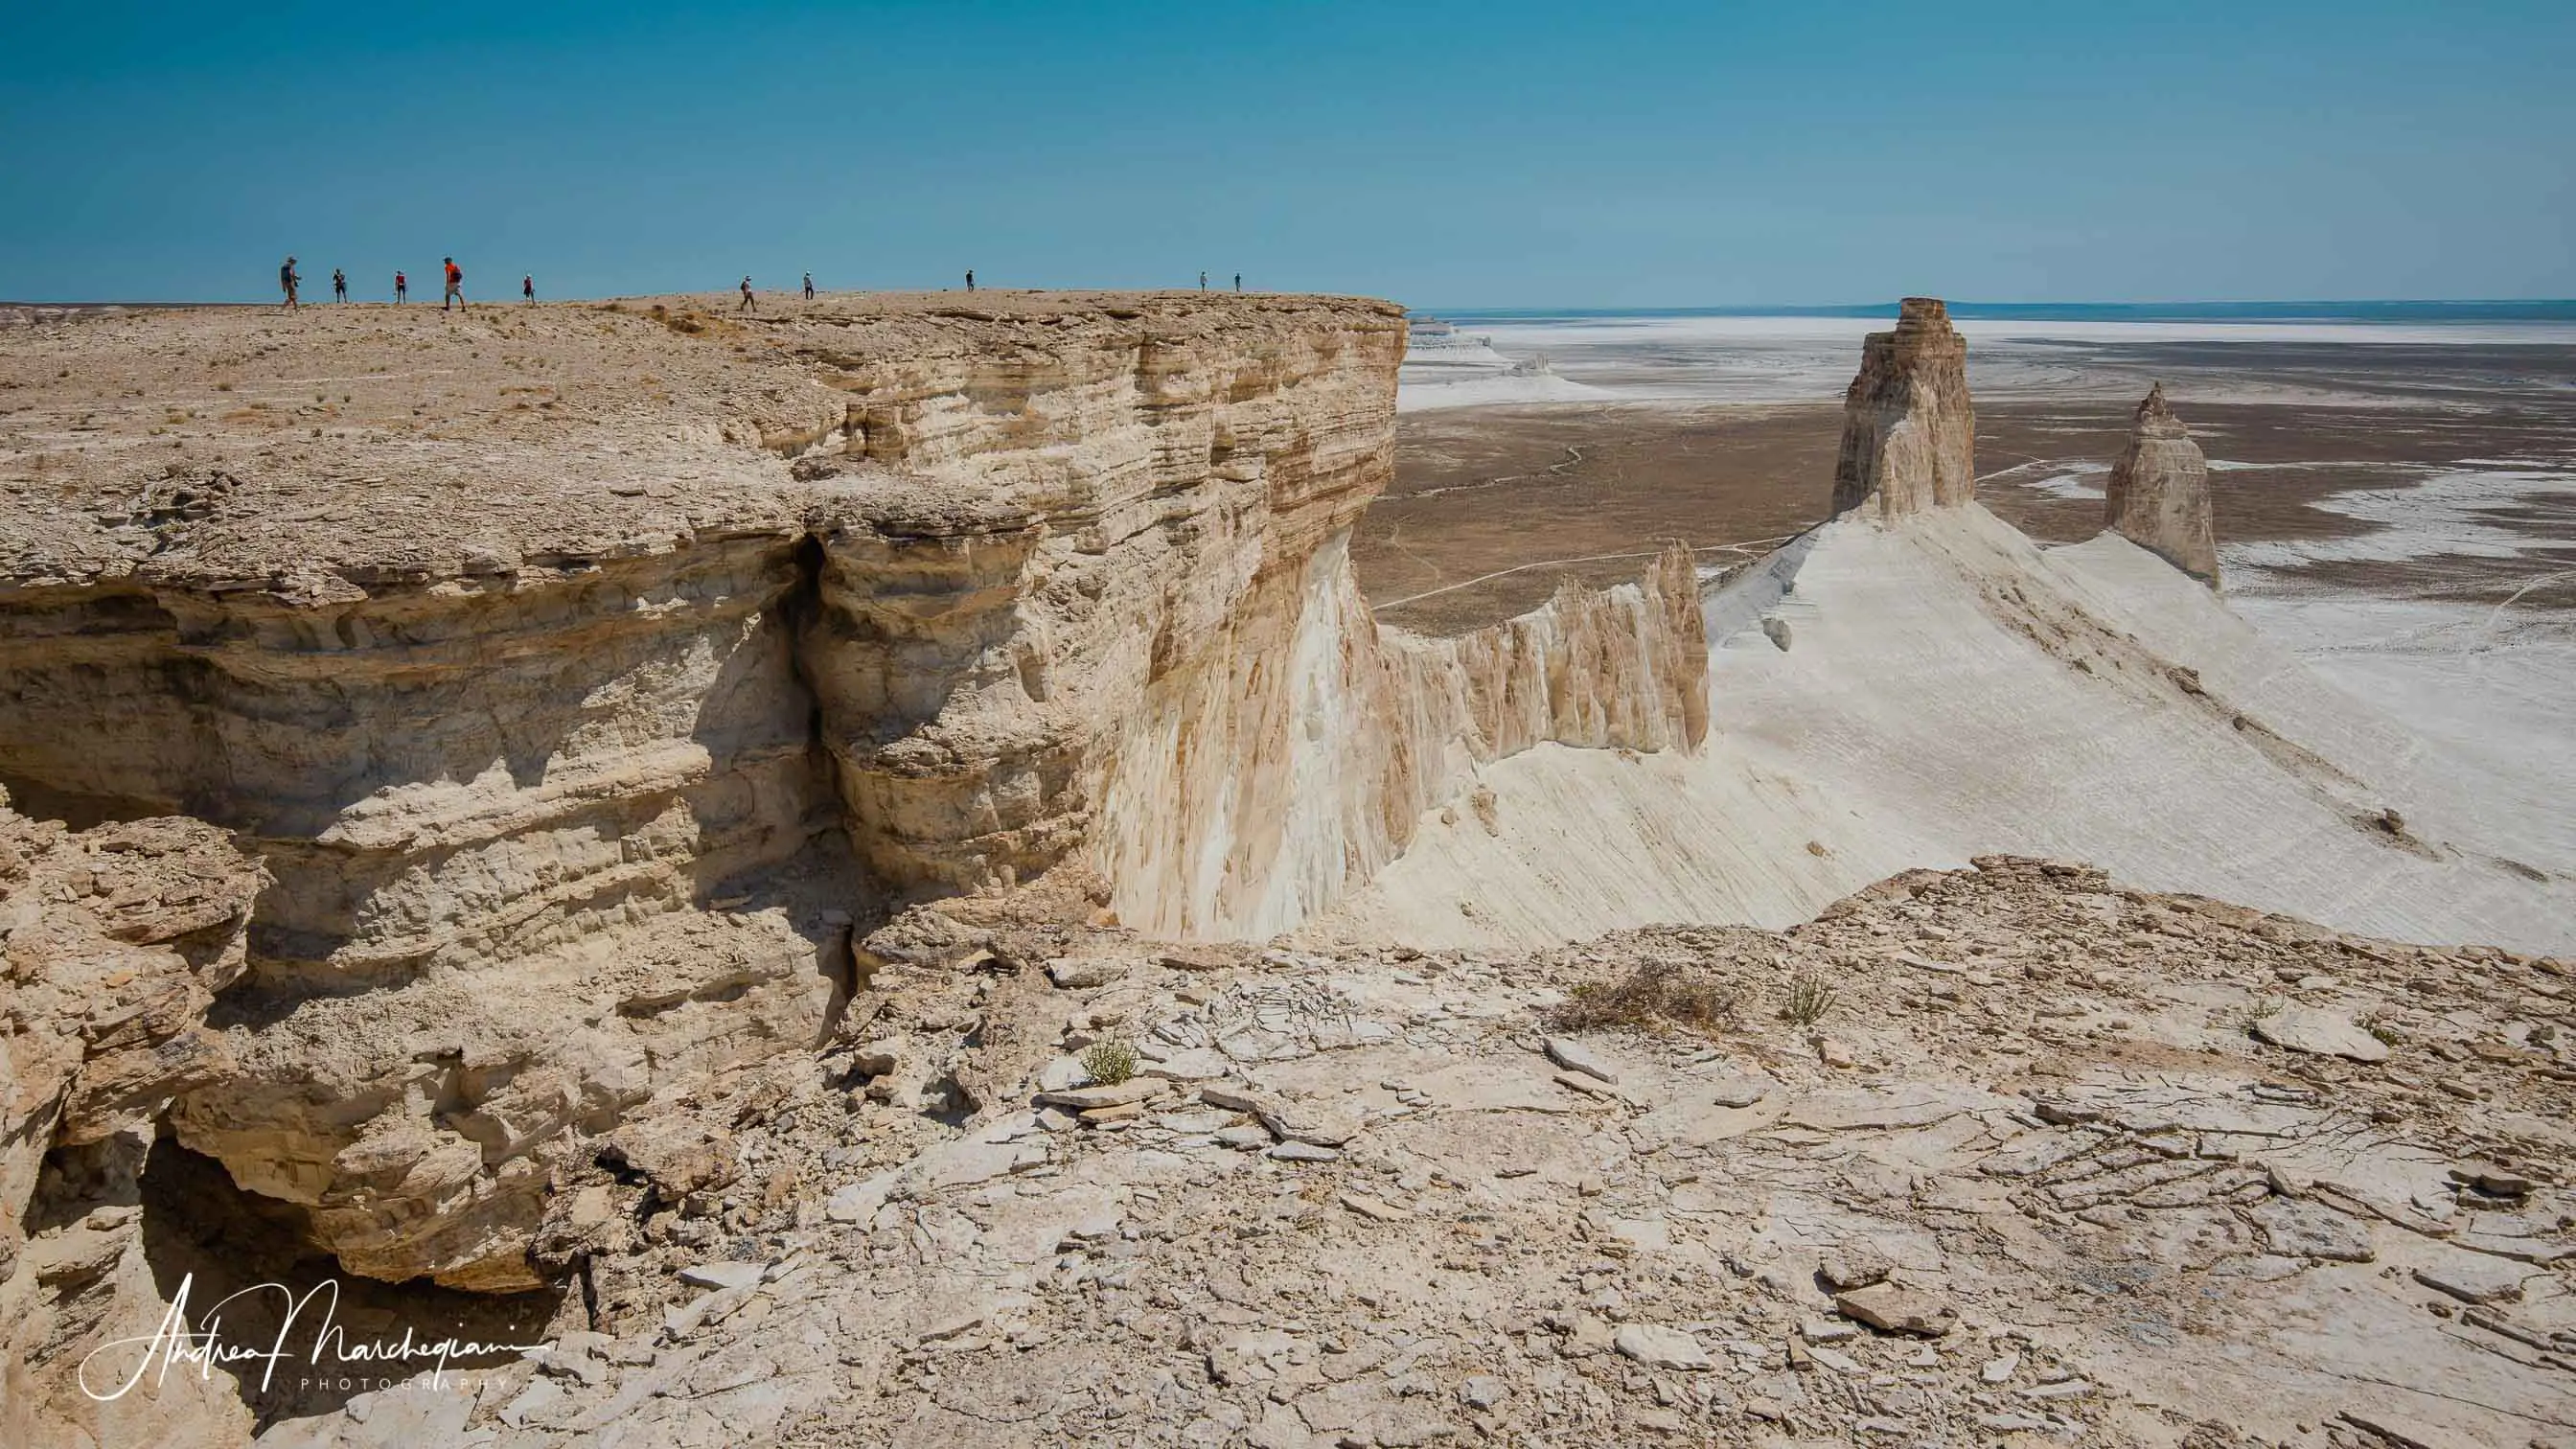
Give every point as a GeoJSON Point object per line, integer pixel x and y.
{"type": "Point", "coordinates": [689, 324]}
{"type": "Point", "coordinates": [1657, 997]}
{"type": "Point", "coordinates": [1810, 997]}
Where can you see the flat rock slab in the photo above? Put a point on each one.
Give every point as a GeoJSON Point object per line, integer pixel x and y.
{"type": "Point", "coordinates": [1914, 1104]}
{"type": "Point", "coordinates": [2402, 1430]}
{"type": "Point", "coordinates": [1891, 1309]}
{"type": "Point", "coordinates": [2312, 1230]}
{"type": "Point", "coordinates": [968, 1163]}
{"type": "Point", "coordinates": [1311, 1124]}
{"type": "Point", "coordinates": [1574, 1056]}
{"type": "Point", "coordinates": [1234, 1098]}
{"type": "Point", "coordinates": [1251, 1357]}
{"type": "Point", "coordinates": [1490, 1086]}
{"type": "Point", "coordinates": [1739, 1092]}
{"type": "Point", "coordinates": [2541, 1251]}
{"type": "Point", "coordinates": [1589, 1086]}
{"type": "Point", "coordinates": [1854, 1267]}
{"type": "Point", "coordinates": [2474, 1278]}
{"type": "Point", "coordinates": [1192, 1064]}
{"type": "Point", "coordinates": [724, 1275]}
{"type": "Point", "coordinates": [2319, 1032]}
{"type": "Point", "coordinates": [1659, 1347]}
{"type": "Point", "coordinates": [1085, 1099]}
{"type": "Point", "coordinates": [1076, 975]}
{"type": "Point", "coordinates": [857, 1202]}
{"type": "Point", "coordinates": [1290, 1121]}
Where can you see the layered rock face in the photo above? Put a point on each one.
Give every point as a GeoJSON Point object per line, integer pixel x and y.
{"type": "Point", "coordinates": [2158, 496]}
{"type": "Point", "coordinates": [1293, 758]}
{"type": "Point", "coordinates": [1909, 431]}
{"type": "Point", "coordinates": [113, 944]}
{"type": "Point", "coordinates": [584, 680]}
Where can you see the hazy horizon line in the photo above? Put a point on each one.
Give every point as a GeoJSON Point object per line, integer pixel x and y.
{"type": "Point", "coordinates": [2340, 309]}
{"type": "Point", "coordinates": [2536, 309]}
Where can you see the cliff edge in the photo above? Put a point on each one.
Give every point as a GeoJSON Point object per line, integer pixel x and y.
{"type": "Point", "coordinates": [586, 680]}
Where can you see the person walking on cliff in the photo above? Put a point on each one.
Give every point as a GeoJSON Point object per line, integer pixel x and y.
{"type": "Point", "coordinates": [455, 286]}
{"type": "Point", "coordinates": [528, 288]}
{"type": "Point", "coordinates": [402, 288]}
{"type": "Point", "coordinates": [339, 285]}
{"type": "Point", "coordinates": [970, 279]}
{"type": "Point", "coordinates": [286, 280]}
{"type": "Point", "coordinates": [1202, 281]}
{"type": "Point", "coordinates": [1238, 281]}
{"type": "Point", "coordinates": [747, 304]}
{"type": "Point", "coordinates": [809, 286]}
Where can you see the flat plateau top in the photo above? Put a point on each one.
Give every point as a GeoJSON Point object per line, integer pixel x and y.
{"type": "Point", "coordinates": [247, 446]}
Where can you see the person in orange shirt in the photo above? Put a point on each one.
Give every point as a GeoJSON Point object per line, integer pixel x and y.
{"type": "Point", "coordinates": [455, 285]}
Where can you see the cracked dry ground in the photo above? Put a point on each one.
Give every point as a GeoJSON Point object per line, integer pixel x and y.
{"type": "Point", "coordinates": [2041, 1174]}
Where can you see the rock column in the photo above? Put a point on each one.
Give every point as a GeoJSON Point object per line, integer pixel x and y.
{"type": "Point", "coordinates": [1909, 431]}
{"type": "Point", "coordinates": [2158, 497]}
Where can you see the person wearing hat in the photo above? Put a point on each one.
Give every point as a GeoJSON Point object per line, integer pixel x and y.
{"type": "Point", "coordinates": [286, 280]}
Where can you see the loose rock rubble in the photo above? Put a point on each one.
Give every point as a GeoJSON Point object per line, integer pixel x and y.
{"type": "Point", "coordinates": [2065, 1193]}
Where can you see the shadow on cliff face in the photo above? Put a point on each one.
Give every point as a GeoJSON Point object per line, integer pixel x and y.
{"type": "Point", "coordinates": [255, 1288]}
{"type": "Point", "coordinates": [413, 767]}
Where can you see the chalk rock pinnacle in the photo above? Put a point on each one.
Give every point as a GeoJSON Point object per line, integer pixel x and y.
{"type": "Point", "coordinates": [1909, 431]}
{"type": "Point", "coordinates": [2158, 497]}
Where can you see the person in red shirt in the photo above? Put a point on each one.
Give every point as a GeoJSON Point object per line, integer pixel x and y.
{"type": "Point", "coordinates": [528, 287]}
{"type": "Point", "coordinates": [455, 285]}
{"type": "Point", "coordinates": [402, 288]}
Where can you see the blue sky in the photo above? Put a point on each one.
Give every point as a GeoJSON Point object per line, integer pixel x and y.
{"type": "Point", "coordinates": [1491, 154]}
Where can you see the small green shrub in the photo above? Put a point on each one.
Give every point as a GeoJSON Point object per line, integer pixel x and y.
{"type": "Point", "coordinates": [1810, 997]}
{"type": "Point", "coordinates": [1109, 1062]}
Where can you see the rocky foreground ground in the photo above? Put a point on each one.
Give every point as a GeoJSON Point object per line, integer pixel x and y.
{"type": "Point", "coordinates": [2001, 1155]}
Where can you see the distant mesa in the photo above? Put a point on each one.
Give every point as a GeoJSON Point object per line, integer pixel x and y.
{"type": "Point", "coordinates": [1909, 431]}
{"type": "Point", "coordinates": [2158, 496]}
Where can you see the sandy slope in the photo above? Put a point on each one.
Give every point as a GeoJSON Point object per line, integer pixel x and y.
{"type": "Point", "coordinates": [1950, 689]}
